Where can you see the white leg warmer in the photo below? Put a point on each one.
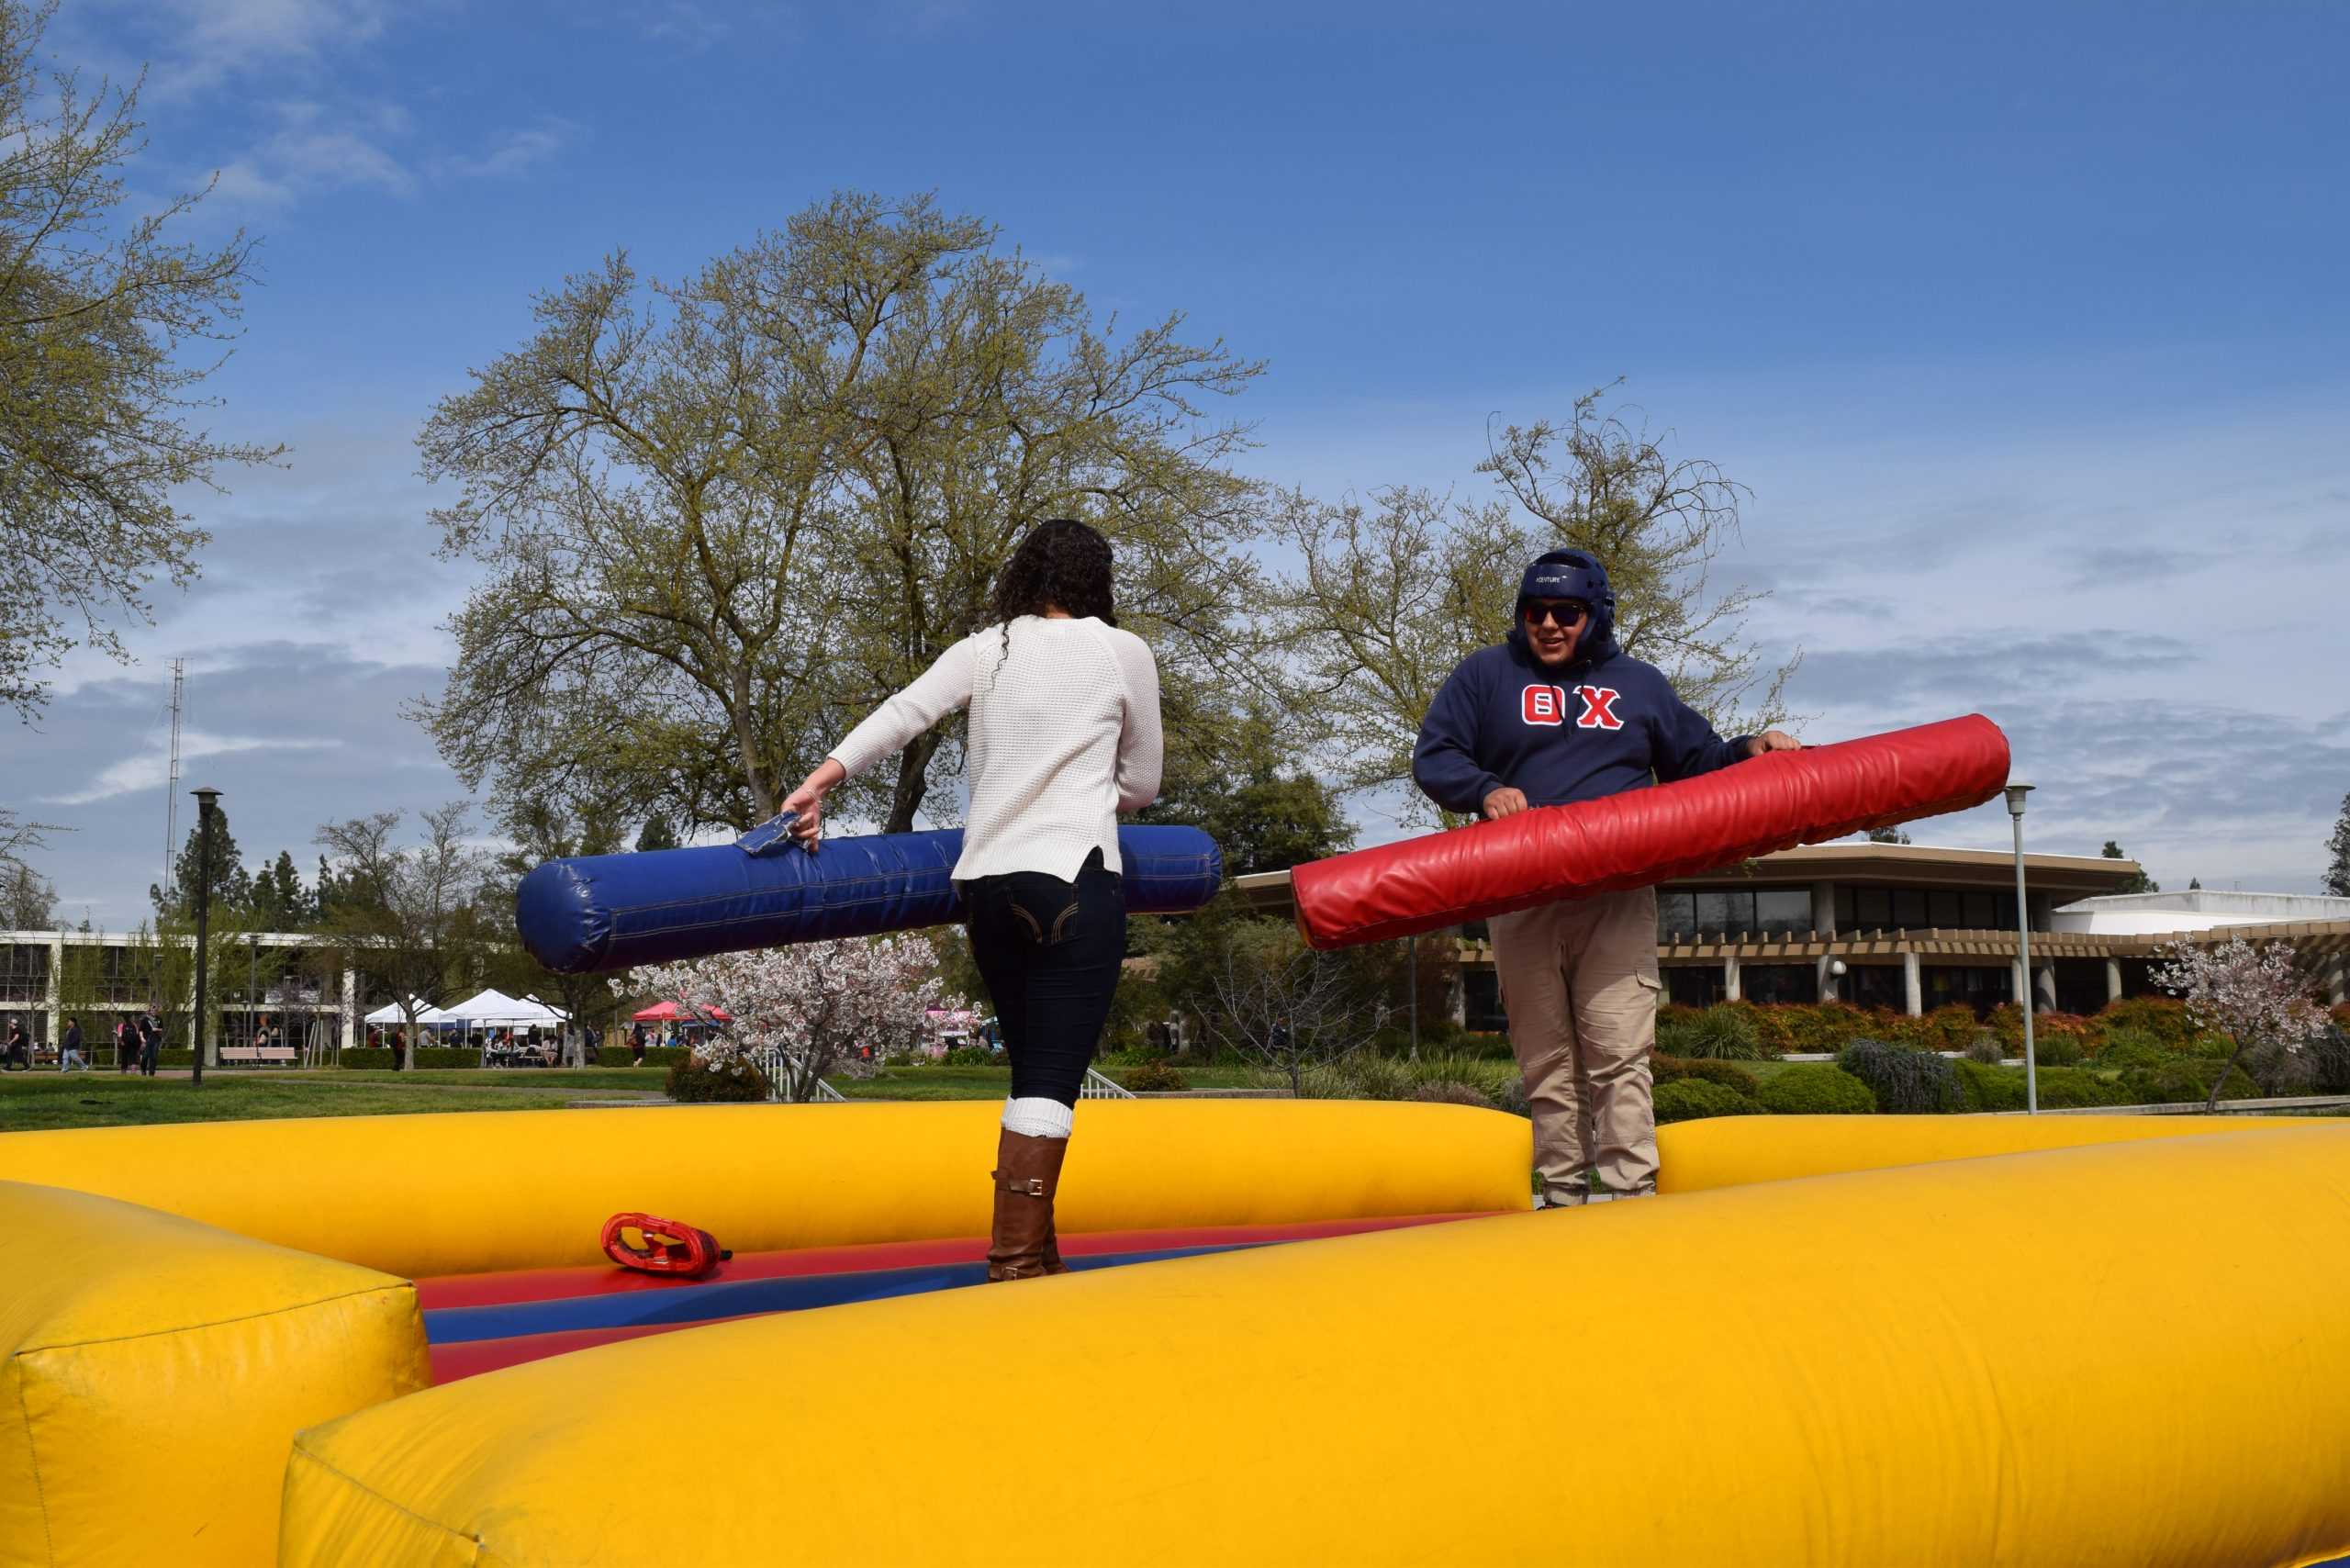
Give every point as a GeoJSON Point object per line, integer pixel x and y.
{"type": "Point", "coordinates": [1035, 1116]}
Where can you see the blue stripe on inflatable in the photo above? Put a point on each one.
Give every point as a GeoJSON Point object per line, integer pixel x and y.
{"type": "Point", "coordinates": [611, 911]}
{"type": "Point", "coordinates": [697, 1303]}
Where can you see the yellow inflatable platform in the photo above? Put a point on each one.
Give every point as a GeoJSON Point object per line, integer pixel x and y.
{"type": "Point", "coordinates": [2131, 1354]}
{"type": "Point", "coordinates": [462, 1192]}
{"type": "Point", "coordinates": [156, 1372]}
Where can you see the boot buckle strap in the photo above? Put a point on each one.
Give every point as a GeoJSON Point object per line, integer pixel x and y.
{"type": "Point", "coordinates": [1033, 1187]}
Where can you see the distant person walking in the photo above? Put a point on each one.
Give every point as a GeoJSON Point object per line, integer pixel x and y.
{"type": "Point", "coordinates": [150, 1045]}
{"type": "Point", "coordinates": [125, 1044]}
{"type": "Point", "coordinates": [69, 1049]}
{"type": "Point", "coordinates": [20, 1056]}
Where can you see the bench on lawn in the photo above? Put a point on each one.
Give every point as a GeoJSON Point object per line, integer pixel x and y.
{"type": "Point", "coordinates": [257, 1054]}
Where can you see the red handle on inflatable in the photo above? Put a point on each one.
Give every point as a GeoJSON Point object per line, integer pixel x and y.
{"type": "Point", "coordinates": [668, 1249]}
{"type": "Point", "coordinates": [1774, 802]}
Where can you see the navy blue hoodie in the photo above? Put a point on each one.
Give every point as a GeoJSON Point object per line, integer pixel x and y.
{"type": "Point", "coordinates": [1598, 725]}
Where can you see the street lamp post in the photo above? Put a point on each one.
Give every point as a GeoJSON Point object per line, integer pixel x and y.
{"type": "Point", "coordinates": [204, 799]}
{"type": "Point", "coordinates": [2016, 792]}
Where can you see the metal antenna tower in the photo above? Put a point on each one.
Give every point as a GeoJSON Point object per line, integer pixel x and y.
{"type": "Point", "coordinates": [172, 784]}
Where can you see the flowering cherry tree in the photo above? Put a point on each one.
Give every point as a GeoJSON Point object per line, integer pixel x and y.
{"type": "Point", "coordinates": [821, 1006]}
{"type": "Point", "coordinates": [2252, 994]}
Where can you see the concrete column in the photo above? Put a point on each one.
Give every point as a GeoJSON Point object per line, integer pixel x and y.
{"type": "Point", "coordinates": [1913, 989]}
{"type": "Point", "coordinates": [1823, 908]}
{"type": "Point", "coordinates": [57, 990]}
{"type": "Point", "coordinates": [1729, 976]}
{"type": "Point", "coordinates": [2044, 989]}
{"type": "Point", "coordinates": [350, 1008]}
{"type": "Point", "coordinates": [2337, 980]}
{"type": "Point", "coordinates": [1826, 981]}
{"type": "Point", "coordinates": [2113, 980]}
{"type": "Point", "coordinates": [1457, 993]}
{"type": "Point", "coordinates": [2018, 992]}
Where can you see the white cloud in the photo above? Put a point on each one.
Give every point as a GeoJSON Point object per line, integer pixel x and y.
{"type": "Point", "coordinates": [213, 41]}
{"type": "Point", "coordinates": [514, 152]}
{"type": "Point", "coordinates": [150, 771]}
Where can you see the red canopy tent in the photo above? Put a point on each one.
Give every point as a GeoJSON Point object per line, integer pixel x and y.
{"type": "Point", "coordinates": [670, 1013]}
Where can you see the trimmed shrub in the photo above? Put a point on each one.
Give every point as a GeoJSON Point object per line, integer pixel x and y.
{"type": "Point", "coordinates": [697, 1080]}
{"type": "Point", "coordinates": [1984, 1048]}
{"type": "Point", "coordinates": [1727, 1033]}
{"type": "Point", "coordinates": [1152, 1076]}
{"type": "Point", "coordinates": [2181, 1081]}
{"type": "Point", "coordinates": [1687, 1099]}
{"type": "Point", "coordinates": [2162, 1019]}
{"type": "Point", "coordinates": [1791, 1027]}
{"type": "Point", "coordinates": [1809, 1090]}
{"type": "Point", "coordinates": [365, 1058]}
{"type": "Point", "coordinates": [1444, 1092]}
{"type": "Point", "coordinates": [1905, 1082]}
{"type": "Point", "coordinates": [970, 1056]}
{"type": "Point", "coordinates": [2131, 1047]}
{"type": "Point", "coordinates": [1988, 1088]}
{"type": "Point", "coordinates": [1949, 1027]}
{"type": "Point", "coordinates": [1730, 1075]}
{"type": "Point", "coordinates": [2072, 1088]}
{"type": "Point", "coordinates": [2056, 1050]}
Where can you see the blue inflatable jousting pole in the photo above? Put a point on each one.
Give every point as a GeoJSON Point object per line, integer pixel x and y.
{"type": "Point", "coordinates": [613, 912]}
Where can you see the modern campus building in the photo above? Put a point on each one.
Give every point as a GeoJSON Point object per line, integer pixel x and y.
{"type": "Point", "coordinates": [281, 979]}
{"type": "Point", "coordinates": [1913, 927]}
{"type": "Point", "coordinates": [1907, 927]}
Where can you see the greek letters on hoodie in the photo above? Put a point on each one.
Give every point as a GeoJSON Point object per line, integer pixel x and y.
{"type": "Point", "coordinates": [1586, 730]}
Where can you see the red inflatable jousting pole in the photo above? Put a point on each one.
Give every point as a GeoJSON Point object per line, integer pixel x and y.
{"type": "Point", "coordinates": [1717, 820]}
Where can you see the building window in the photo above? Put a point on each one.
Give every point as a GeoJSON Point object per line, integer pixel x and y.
{"type": "Point", "coordinates": [1481, 1001]}
{"type": "Point", "coordinates": [1980, 987]}
{"type": "Point", "coordinates": [1694, 985]}
{"type": "Point", "coordinates": [1877, 985]}
{"type": "Point", "coordinates": [1675, 914]}
{"type": "Point", "coordinates": [1979, 912]}
{"type": "Point", "coordinates": [1782, 909]}
{"type": "Point", "coordinates": [1945, 908]}
{"type": "Point", "coordinates": [1872, 907]}
{"type": "Point", "coordinates": [1770, 983]}
{"type": "Point", "coordinates": [1910, 908]}
{"type": "Point", "coordinates": [1725, 910]}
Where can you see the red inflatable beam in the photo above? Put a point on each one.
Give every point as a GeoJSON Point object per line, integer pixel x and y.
{"type": "Point", "coordinates": [1719, 819]}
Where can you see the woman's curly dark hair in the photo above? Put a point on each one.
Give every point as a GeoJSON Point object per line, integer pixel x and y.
{"type": "Point", "coordinates": [1062, 564]}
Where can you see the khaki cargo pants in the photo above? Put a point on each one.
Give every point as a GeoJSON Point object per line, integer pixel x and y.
{"type": "Point", "coordinates": [1579, 982]}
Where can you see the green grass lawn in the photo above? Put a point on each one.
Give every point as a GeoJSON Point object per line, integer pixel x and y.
{"type": "Point", "coordinates": [31, 1102]}
{"type": "Point", "coordinates": [994, 1082]}
{"type": "Point", "coordinates": [634, 1080]}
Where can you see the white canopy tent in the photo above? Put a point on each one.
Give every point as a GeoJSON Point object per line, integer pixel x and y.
{"type": "Point", "coordinates": [496, 1010]}
{"type": "Point", "coordinates": [390, 1014]}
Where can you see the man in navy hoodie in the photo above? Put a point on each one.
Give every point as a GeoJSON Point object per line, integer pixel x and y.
{"type": "Point", "coordinates": [1557, 712]}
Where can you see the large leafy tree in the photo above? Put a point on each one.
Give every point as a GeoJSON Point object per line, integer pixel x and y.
{"type": "Point", "coordinates": [541, 830]}
{"type": "Point", "coordinates": [2337, 870]}
{"type": "Point", "coordinates": [725, 515]}
{"type": "Point", "coordinates": [2140, 883]}
{"type": "Point", "coordinates": [1388, 595]}
{"type": "Point", "coordinates": [407, 918]}
{"type": "Point", "coordinates": [108, 328]}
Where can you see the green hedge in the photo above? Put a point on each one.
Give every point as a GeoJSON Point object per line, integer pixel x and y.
{"type": "Point", "coordinates": [1687, 1099]}
{"type": "Point", "coordinates": [2183, 1081]}
{"type": "Point", "coordinates": [423, 1058]}
{"type": "Point", "coordinates": [2075, 1088]}
{"type": "Point", "coordinates": [655, 1056]}
{"type": "Point", "coordinates": [1673, 1068]}
{"type": "Point", "coordinates": [1987, 1088]}
{"type": "Point", "coordinates": [1152, 1077]}
{"type": "Point", "coordinates": [1817, 1089]}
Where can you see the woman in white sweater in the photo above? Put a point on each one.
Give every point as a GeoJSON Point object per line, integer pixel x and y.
{"type": "Point", "coordinates": [1063, 736]}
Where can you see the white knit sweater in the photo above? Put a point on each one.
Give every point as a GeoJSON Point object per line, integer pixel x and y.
{"type": "Point", "coordinates": [1064, 735]}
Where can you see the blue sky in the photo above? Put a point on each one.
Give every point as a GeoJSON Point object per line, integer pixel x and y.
{"type": "Point", "coordinates": [2024, 325]}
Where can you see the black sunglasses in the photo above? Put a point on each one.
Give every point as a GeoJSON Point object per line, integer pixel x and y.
{"type": "Point", "coordinates": [1562, 613]}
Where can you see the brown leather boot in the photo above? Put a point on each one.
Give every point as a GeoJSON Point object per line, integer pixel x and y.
{"type": "Point", "coordinates": [1027, 1173]}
